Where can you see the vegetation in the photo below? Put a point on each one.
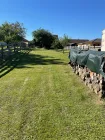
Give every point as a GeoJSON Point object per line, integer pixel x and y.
{"type": "Point", "coordinates": [41, 98]}
{"type": "Point", "coordinates": [56, 44]}
{"type": "Point", "coordinates": [64, 40]}
{"type": "Point", "coordinates": [32, 44]}
{"type": "Point", "coordinates": [15, 32]}
{"type": "Point", "coordinates": [12, 32]}
{"type": "Point", "coordinates": [43, 38]}
{"type": "Point", "coordinates": [61, 43]}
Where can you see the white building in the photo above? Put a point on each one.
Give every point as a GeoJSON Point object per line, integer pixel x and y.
{"type": "Point", "coordinates": [103, 41]}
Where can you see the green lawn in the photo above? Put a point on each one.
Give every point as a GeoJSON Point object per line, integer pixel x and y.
{"type": "Point", "coordinates": [42, 99]}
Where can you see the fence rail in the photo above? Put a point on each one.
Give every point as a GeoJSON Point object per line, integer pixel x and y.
{"type": "Point", "coordinates": [8, 50]}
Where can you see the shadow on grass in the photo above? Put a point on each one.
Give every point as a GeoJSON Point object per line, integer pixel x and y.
{"type": "Point", "coordinates": [40, 60]}
{"type": "Point", "coordinates": [63, 51]}
{"type": "Point", "coordinates": [21, 59]}
{"type": "Point", "coordinates": [9, 64]}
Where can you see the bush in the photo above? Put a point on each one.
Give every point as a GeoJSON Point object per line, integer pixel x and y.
{"type": "Point", "coordinates": [56, 44]}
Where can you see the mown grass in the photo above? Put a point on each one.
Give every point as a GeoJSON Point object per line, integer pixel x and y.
{"type": "Point", "coordinates": [42, 99]}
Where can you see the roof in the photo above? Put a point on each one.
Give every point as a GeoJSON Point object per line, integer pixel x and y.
{"type": "Point", "coordinates": [25, 40]}
{"type": "Point", "coordinates": [78, 40]}
{"type": "Point", "coordinates": [56, 36]}
{"type": "Point", "coordinates": [97, 40]}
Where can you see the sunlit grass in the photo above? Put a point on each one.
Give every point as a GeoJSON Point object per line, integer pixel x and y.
{"type": "Point", "coordinates": [42, 99]}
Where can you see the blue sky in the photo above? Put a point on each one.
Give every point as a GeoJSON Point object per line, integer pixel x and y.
{"type": "Point", "coordinates": [76, 18]}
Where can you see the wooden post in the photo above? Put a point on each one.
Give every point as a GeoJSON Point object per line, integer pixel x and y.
{"type": "Point", "coordinates": [9, 52]}
{"type": "Point", "coordinates": [2, 55]}
{"type": "Point", "coordinates": [14, 47]}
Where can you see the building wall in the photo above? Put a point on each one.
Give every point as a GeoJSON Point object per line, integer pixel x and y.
{"type": "Point", "coordinates": [103, 41]}
{"type": "Point", "coordinates": [26, 43]}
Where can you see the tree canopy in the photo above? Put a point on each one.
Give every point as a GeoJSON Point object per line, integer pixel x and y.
{"type": "Point", "coordinates": [43, 38]}
{"type": "Point", "coordinates": [56, 44]}
{"type": "Point", "coordinates": [12, 32]}
{"type": "Point", "coordinates": [60, 43]}
{"type": "Point", "coordinates": [64, 40]}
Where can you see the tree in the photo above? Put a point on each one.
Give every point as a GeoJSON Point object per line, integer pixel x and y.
{"type": "Point", "coordinates": [64, 41]}
{"type": "Point", "coordinates": [1, 35]}
{"type": "Point", "coordinates": [56, 44]}
{"type": "Point", "coordinates": [43, 38]}
{"type": "Point", "coordinates": [32, 43]}
{"type": "Point", "coordinates": [12, 32]}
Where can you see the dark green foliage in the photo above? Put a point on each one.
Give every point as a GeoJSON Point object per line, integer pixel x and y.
{"type": "Point", "coordinates": [12, 32]}
{"type": "Point", "coordinates": [56, 44]}
{"type": "Point", "coordinates": [43, 38]}
{"type": "Point", "coordinates": [64, 40]}
{"type": "Point", "coordinates": [32, 43]}
{"type": "Point", "coordinates": [1, 35]}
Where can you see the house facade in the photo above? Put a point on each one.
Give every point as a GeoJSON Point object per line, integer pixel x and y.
{"type": "Point", "coordinates": [76, 42]}
{"type": "Point", "coordinates": [94, 42]}
{"type": "Point", "coordinates": [25, 42]}
{"type": "Point", "coordinates": [103, 41]}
